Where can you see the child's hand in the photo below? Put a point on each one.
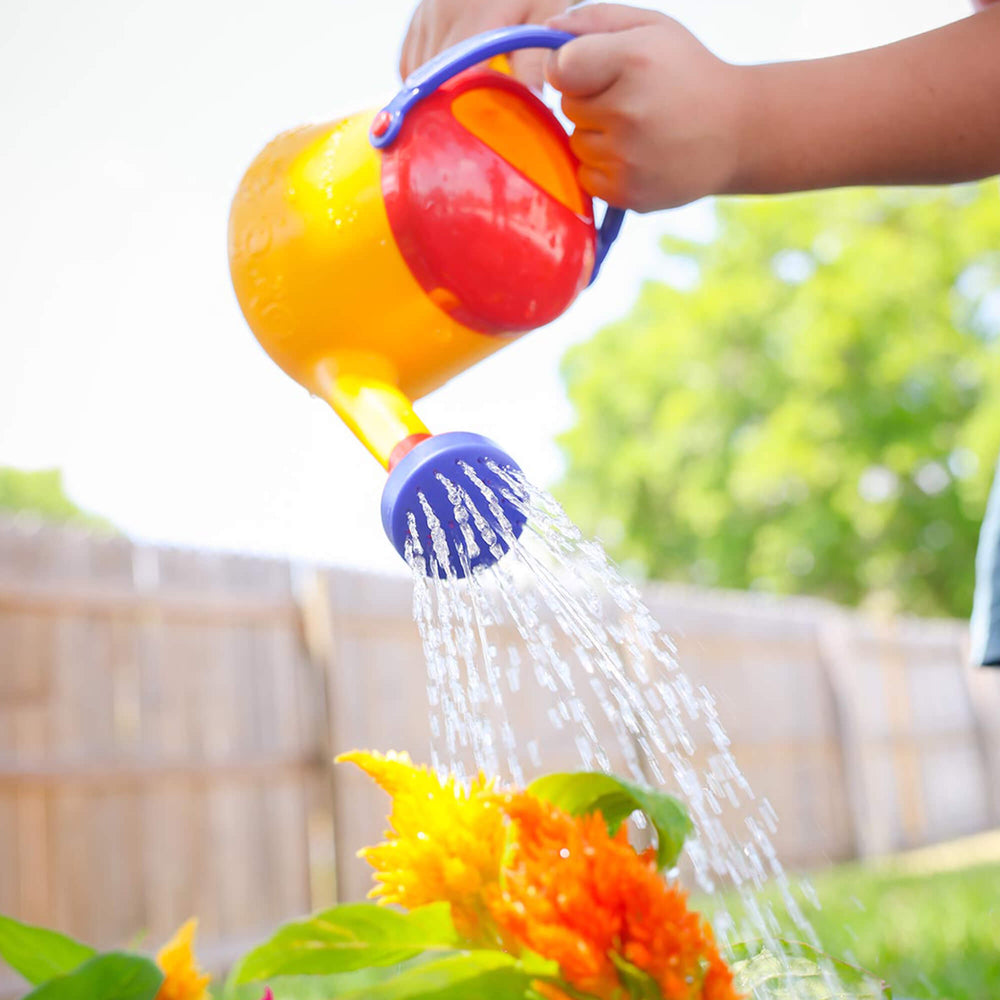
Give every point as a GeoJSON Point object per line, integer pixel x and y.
{"type": "Point", "coordinates": [439, 24]}
{"type": "Point", "coordinates": [655, 111]}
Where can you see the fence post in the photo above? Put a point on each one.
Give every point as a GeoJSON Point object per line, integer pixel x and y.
{"type": "Point", "coordinates": [320, 646]}
{"type": "Point", "coordinates": [834, 647]}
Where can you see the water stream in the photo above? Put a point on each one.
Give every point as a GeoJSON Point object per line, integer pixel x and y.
{"type": "Point", "coordinates": [554, 636]}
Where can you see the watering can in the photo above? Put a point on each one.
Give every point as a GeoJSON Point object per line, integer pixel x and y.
{"type": "Point", "coordinates": [377, 256]}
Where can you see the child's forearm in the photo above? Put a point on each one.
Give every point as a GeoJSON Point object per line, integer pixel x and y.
{"type": "Point", "coordinates": [924, 110]}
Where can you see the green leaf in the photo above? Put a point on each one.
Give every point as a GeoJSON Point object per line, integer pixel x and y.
{"type": "Point", "coordinates": [489, 975]}
{"type": "Point", "coordinates": [640, 985]}
{"type": "Point", "coordinates": [307, 987]}
{"type": "Point", "coordinates": [759, 971]}
{"type": "Point", "coordinates": [592, 791]}
{"type": "Point", "coordinates": [39, 954]}
{"type": "Point", "coordinates": [114, 976]}
{"type": "Point", "coordinates": [349, 937]}
{"type": "Point", "coordinates": [537, 966]}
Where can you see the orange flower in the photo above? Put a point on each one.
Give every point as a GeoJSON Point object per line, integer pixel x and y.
{"type": "Point", "coordinates": [576, 895]}
{"type": "Point", "coordinates": [445, 842]}
{"type": "Point", "coordinates": [182, 979]}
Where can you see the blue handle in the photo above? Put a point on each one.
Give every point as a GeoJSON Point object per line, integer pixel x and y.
{"type": "Point", "coordinates": [425, 80]}
{"type": "Point", "coordinates": [611, 226]}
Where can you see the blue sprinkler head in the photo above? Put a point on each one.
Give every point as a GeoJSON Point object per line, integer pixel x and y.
{"type": "Point", "coordinates": [448, 455]}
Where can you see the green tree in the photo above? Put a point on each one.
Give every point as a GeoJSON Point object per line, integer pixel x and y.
{"type": "Point", "coordinates": [819, 413]}
{"type": "Point", "coordinates": [41, 492]}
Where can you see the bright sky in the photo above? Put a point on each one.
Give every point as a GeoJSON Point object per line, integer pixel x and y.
{"type": "Point", "coordinates": [125, 126]}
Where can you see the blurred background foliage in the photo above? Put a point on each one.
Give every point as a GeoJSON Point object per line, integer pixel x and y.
{"type": "Point", "coordinates": [815, 409]}
{"type": "Point", "coordinates": [41, 493]}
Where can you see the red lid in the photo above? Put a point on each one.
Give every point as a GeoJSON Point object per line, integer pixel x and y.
{"type": "Point", "coordinates": [481, 193]}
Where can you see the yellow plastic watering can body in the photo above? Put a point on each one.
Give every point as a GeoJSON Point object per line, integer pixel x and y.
{"type": "Point", "coordinates": [325, 290]}
{"type": "Point", "coordinates": [372, 276]}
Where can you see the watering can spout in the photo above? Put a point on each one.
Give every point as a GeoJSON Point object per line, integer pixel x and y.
{"type": "Point", "coordinates": [373, 407]}
{"type": "Point", "coordinates": [435, 481]}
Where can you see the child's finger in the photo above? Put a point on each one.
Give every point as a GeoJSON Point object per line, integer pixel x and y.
{"type": "Point", "coordinates": [529, 67]}
{"type": "Point", "coordinates": [580, 112]}
{"type": "Point", "coordinates": [596, 183]}
{"type": "Point", "coordinates": [592, 148]}
{"type": "Point", "coordinates": [585, 67]}
{"type": "Point", "coordinates": [602, 18]}
{"type": "Point", "coordinates": [412, 45]}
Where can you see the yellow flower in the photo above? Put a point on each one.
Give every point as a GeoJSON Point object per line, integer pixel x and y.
{"type": "Point", "coordinates": [182, 979]}
{"type": "Point", "coordinates": [445, 841]}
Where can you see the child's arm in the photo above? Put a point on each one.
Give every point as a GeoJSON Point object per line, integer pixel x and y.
{"type": "Point", "coordinates": [661, 121]}
{"type": "Point", "coordinates": [925, 110]}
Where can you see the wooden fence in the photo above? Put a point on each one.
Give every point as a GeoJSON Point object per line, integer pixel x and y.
{"type": "Point", "coordinates": [160, 741]}
{"type": "Point", "coordinates": [167, 719]}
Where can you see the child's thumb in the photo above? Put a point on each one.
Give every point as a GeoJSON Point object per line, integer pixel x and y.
{"type": "Point", "coordinates": [602, 18]}
{"type": "Point", "coordinates": [584, 67]}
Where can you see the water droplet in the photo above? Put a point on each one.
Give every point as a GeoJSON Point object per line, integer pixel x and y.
{"type": "Point", "coordinates": [258, 240]}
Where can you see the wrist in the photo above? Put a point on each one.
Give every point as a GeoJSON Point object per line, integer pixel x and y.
{"type": "Point", "coordinates": [799, 126]}
{"type": "Point", "coordinates": [764, 154]}
{"type": "Point", "coordinates": [754, 128]}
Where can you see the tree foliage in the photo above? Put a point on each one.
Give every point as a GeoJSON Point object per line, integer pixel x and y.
{"type": "Point", "coordinates": [818, 413]}
{"type": "Point", "coordinates": [41, 492]}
